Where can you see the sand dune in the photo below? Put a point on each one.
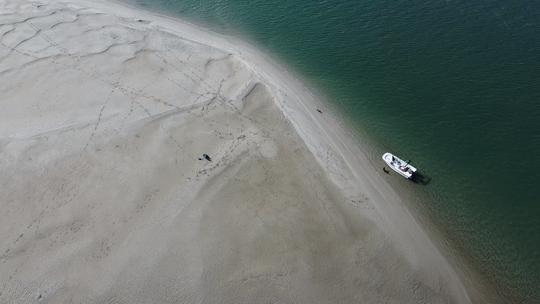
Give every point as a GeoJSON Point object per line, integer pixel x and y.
{"type": "Point", "coordinates": [105, 196]}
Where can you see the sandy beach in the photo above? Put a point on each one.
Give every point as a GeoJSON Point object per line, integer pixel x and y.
{"type": "Point", "coordinates": [106, 196]}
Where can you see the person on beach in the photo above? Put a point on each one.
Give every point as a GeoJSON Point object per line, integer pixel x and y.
{"type": "Point", "coordinates": [206, 156]}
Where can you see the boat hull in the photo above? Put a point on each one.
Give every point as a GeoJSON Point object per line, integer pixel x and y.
{"type": "Point", "coordinates": [400, 166]}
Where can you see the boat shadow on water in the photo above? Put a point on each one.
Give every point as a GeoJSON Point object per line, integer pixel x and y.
{"type": "Point", "coordinates": [420, 178]}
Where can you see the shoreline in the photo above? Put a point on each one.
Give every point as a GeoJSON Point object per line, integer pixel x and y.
{"type": "Point", "coordinates": [345, 136]}
{"type": "Point", "coordinates": [328, 140]}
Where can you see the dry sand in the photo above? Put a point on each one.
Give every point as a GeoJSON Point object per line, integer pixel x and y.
{"type": "Point", "coordinates": [106, 111]}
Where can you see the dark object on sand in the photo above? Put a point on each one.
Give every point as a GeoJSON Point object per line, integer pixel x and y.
{"type": "Point", "coordinates": [207, 157]}
{"type": "Point", "coordinates": [318, 110]}
{"type": "Point", "coordinates": [385, 170]}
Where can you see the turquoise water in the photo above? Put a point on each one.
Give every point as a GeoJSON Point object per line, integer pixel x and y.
{"type": "Point", "coordinates": [452, 85]}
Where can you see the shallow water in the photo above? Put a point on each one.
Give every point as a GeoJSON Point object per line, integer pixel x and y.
{"type": "Point", "coordinates": [452, 85]}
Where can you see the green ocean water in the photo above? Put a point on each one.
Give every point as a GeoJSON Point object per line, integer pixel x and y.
{"type": "Point", "coordinates": [453, 85]}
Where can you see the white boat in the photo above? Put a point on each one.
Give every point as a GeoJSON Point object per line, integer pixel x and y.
{"type": "Point", "coordinates": [400, 166]}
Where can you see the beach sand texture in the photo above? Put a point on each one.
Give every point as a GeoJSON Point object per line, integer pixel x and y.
{"type": "Point", "coordinates": [106, 112]}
